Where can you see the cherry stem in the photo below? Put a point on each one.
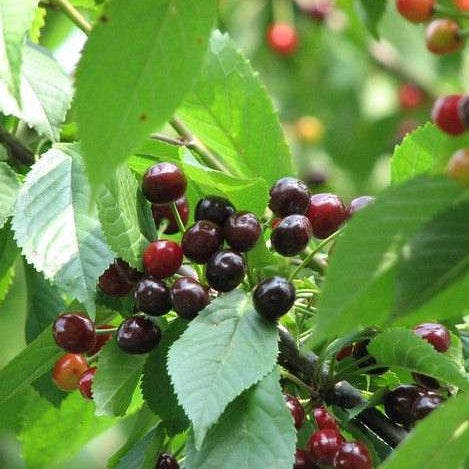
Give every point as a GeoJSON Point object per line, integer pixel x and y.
{"type": "Point", "coordinates": [73, 14]}
{"type": "Point", "coordinates": [111, 330]}
{"type": "Point", "coordinates": [287, 375]}
{"type": "Point", "coordinates": [441, 10]}
{"type": "Point", "coordinates": [162, 228]}
{"type": "Point", "coordinates": [282, 11]}
{"type": "Point", "coordinates": [177, 217]}
{"type": "Point", "coordinates": [251, 279]}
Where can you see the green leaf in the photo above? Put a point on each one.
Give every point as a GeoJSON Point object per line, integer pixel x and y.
{"type": "Point", "coordinates": [15, 20]}
{"type": "Point", "coordinates": [30, 364]}
{"type": "Point", "coordinates": [46, 93]}
{"type": "Point", "coordinates": [256, 430]}
{"type": "Point", "coordinates": [10, 186]}
{"type": "Point", "coordinates": [117, 377]}
{"type": "Point", "coordinates": [371, 12]}
{"type": "Point", "coordinates": [121, 206]}
{"type": "Point", "coordinates": [359, 286]}
{"type": "Point", "coordinates": [402, 348]}
{"type": "Point", "coordinates": [440, 440]}
{"type": "Point", "coordinates": [437, 257]}
{"type": "Point", "coordinates": [8, 255]}
{"type": "Point", "coordinates": [39, 22]}
{"type": "Point", "coordinates": [157, 389]}
{"type": "Point", "coordinates": [230, 110]}
{"type": "Point", "coordinates": [167, 49]}
{"type": "Point", "coordinates": [225, 350]}
{"type": "Point", "coordinates": [56, 229]}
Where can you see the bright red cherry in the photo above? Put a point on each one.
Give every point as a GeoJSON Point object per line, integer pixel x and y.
{"type": "Point", "coordinates": [323, 446]}
{"type": "Point", "coordinates": [101, 339]}
{"type": "Point", "coordinates": [417, 11]}
{"type": "Point", "coordinates": [442, 37]}
{"type": "Point", "coordinates": [303, 460]}
{"type": "Point", "coordinates": [326, 213]}
{"type": "Point", "coordinates": [445, 114]}
{"type": "Point", "coordinates": [164, 183]}
{"type": "Point", "coordinates": [462, 5]}
{"type": "Point", "coordinates": [353, 455]}
{"type": "Point", "coordinates": [164, 211]}
{"type": "Point", "coordinates": [324, 419]}
{"type": "Point", "coordinates": [85, 383]}
{"type": "Point", "coordinates": [118, 279]}
{"type": "Point", "coordinates": [74, 332]}
{"type": "Point", "coordinates": [162, 258]}
{"type": "Point", "coordinates": [68, 370]}
{"type": "Point", "coordinates": [458, 166]}
{"type": "Point", "coordinates": [282, 38]}
{"type": "Point", "coordinates": [436, 334]}
{"type": "Point", "coordinates": [411, 96]}
{"type": "Point", "coordinates": [296, 409]}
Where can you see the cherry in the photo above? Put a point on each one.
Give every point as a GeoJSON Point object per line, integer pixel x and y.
{"type": "Point", "coordinates": [101, 339]}
{"type": "Point", "coordinates": [425, 381]}
{"type": "Point", "coordinates": [225, 270]}
{"type": "Point", "coordinates": [189, 297]}
{"type": "Point", "coordinates": [324, 419]}
{"type": "Point", "coordinates": [118, 279]}
{"type": "Point", "coordinates": [323, 446]}
{"type": "Point", "coordinates": [359, 203]}
{"type": "Point", "coordinates": [360, 351]}
{"type": "Point", "coordinates": [424, 405]}
{"type": "Point", "coordinates": [411, 96]}
{"type": "Point", "coordinates": [289, 196]}
{"type": "Point", "coordinates": [458, 166]}
{"type": "Point", "coordinates": [215, 209]}
{"type": "Point", "coordinates": [162, 258]}
{"type": "Point", "coordinates": [445, 114]}
{"type": "Point", "coordinates": [164, 183]}
{"type": "Point", "coordinates": [462, 5]}
{"type": "Point", "coordinates": [292, 235]}
{"type": "Point", "coordinates": [353, 455]}
{"type": "Point", "coordinates": [86, 381]}
{"type": "Point", "coordinates": [167, 461]}
{"type": "Point", "coordinates": [442, 37]}
{"type": "Point", "coordinates": [67, 371]}
{"type": "Point", "coordinates": [74, 332]}
{"type": "Point", "coordinates": [303, 460]}
{"type": "Point", "coordinates": [152, 297]}
{"type": "Point", "coordinates": [344, 353]}
{"type": "Point", "coordinates": [201, 241]}
{"type": "Point", "coordinates": [436, 334]}
{"type": "Point", "coordinates": [296, 410]}
{"type": "Point", "coordinates": [399, 402]}
{"type": "Point", "coordinates": [417, 11]}
{"type": "Point", "coordinates": [273, 297]}
{"type": "Point", "coordinates": [326, 212]}
{"type": "Point", "coordinates": [161, 212]}
{"type": "Point", "coordinates": [282, 38]}
{"type": "Point", "coordinates": [138, 335]}
{"type": "Point", "coordinates": [242, 230]}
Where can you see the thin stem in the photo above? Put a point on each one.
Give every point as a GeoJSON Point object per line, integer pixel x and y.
{"type": "Point", "coordinates": [111, 330]}
{"type": "Point", "coordinates": [16, 150]}
{"type": "Point", "coordinates": [251, 279]}
{"type": "Point", "coordinates": [313, 252]}
{"type": "Point", "coordinates": [177, 217]}
{"type": "Point", "coordinates": [162, 228]}
{"type": "Point", "coordinates": [304, 310]}
{"type": "Point", "coordinates": [170, 140]}
{"type": "Point", "coordinates": [74, 15]}
{"type": "Point", "coordinates": [287, 375]}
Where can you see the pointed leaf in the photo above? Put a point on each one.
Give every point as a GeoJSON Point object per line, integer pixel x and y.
{"type": "Point", "coordinates": [10, 186]}
{"type": "Point", "coordinates": [8, 254]}
{"type": "Point", "coordinates": [371, 12]}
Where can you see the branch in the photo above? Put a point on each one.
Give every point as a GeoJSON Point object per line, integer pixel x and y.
{"type": "Point", "coordinates": [16, 150]}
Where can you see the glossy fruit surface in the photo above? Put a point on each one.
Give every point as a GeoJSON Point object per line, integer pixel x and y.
{"type": "Point", "coordinates": [118, 279]}
{"type": "Point", "coordinates": [215, 209]}
{"type": "Point", "coordinates": [436, 334]}
{"type": "Point", "coordinates": [201, 241]}
{"type": "Point", "coordinates": [424, 405]}
{"type": "Point", "coordinates": [101, 339]}
{"type": "Point", "coordinates": [167, 461]}
{"type": "Point", "coordinates": [353, 455]}
{"type": "Point", "coordinates": [163, 211]}
{"type": "Point", "coordinates": [164, 183]}
{"type": "Point", "coordinates": [162, 258]}
{"type": "Point", "coordinates": [225, 270]}
{"type": "Point", "coordinates": [323, 446]}
{"type": "Point", "coordinates": [445, 114]}
{"type": "Point", "coordinates": [296, 410]}
{"type": "Point", "coordinates": [189, 297]}
{"type": "Point", "coordinates": [399, 402]}
{"type": "Point", "coordinates": [411, 96]}
{"type": "Point", "coordinates": [282, 38]}
{"type": "Point", "coordinates": [68, 370]}
{"type": "Point", "coordinates": [324, 419]}
{"type": "Point", "coordinates": [138, 335]}
{"type": "Point", "coordinates": [86, 382]}
{"type": "Point", "coordinates": [289, 196]}
{"type": "Point", "coordinates": [303, 460]}
{"type": "Point", "coordinates": [273, 297]}
{"type": "Point", "coordinates": [417, 11]}
{"type": "Point", "coordinates": [326, 213]}
{"type": "Point", "coordinates": [359, 203]}
{"type": "Point", "coordinates": [458, 166]}
{"type": "Point", "coordinates": [442, 37]}
{"type": "Point", "coordinates": [242, 230]}
{"type": "Point", "coordinates": [292, 235]}
{"type": "Point", "coordinates": [152, 297]}
{"type": "Point", "coordinates": [74, 332]}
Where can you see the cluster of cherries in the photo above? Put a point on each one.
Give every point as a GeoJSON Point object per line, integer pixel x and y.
{"type": "Point", "coordinates": [326, 446]}
{"type": "Point", "coordinates": [443, 35]}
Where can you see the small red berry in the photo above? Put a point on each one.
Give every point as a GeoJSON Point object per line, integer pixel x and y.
{"type": "Point", "coordinates": [162, 258]}
{"type": "Point", "coordinates": [462, 5]}
{"type": "Point", "coordinates": [442, 37]}
{"type": "Point", "coordinates": [417, 11]}
{"type": "Point", "coordinates": [118, 279]}
{"type": "Point", "coordinates": [353, 455]}
{"type": "Point", "coordinates": [323, 446]}
{"type": "Point", "coordinates": [74, 332]}
{"type": "Point", "coordinates": [296, 410]}
{"type": "Point", "coordinates": [164, 183]}
{"type": "Point", "coordinates": [445, 114]}
{"type": "Point", "coordinates": [303, 460]}
{"type": "Point", "coordinates": [164, 211]}
{"type": "Point", "coordinates": [282, 38]}
{"type": "Point", "coordinates": [68, 370]}
{"type": "Point", "coordinates": [436, 334]}
{"type": "Point", "coordinates": [85, 383]}
{"type": "Point", "coordinates": [458, 166]}
{"type": "Point", "coordinates": [326, 213]}
{"type": "Point", "coordinates": [324, 419]}
{"type": "Point", "coordinates": [101, 339]}
{"type": "Point", "coordinates": [410, 96]}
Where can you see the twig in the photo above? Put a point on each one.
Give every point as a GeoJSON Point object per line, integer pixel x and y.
{"type": "Point", "coordinates": [16, 150]}
{"type": "Point", "coordinates": [73, 14]}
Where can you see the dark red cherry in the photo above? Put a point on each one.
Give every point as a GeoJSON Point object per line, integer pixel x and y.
{"type": "Point", "coordinates": [242, 230]}
{"type": "Point", "coordinates": [152, 297]}
{"type": "Point", "coordinates": [445, 114]}
{"type": "Point", "coordinates": [273, 297]}
{"type": "Point", "coordinates": [225, 270]}
{"type": "Point", "coordinates": [291, 235]}
{"type": "Point", "coordinates": [424, 405]}
{"type": "Point", "coordinates": [164, 183]}
{"type": "Point", "coordinates": [167, 461]}
{"type": "Point", "coordinates": [399, 402]}
{"type": "Point", "coordinates": [324, 419]}
{"type": "Point", "coordinates": [303, 460]}
{"type": "Point", "coordinates": [118, 279]}
{"type": "Point", "coordinates": [215, 209]}
{"type": "Point", "coordinates": [359, 203]}
{"type": "Point", "coordinates": [74, 332]}
{"type": "Point", "coordinates": [201, 241]}
{"type": "Point", "coordinates": [162, 258]}
{"type": "Point", "coordinates": [436, 334]}
{"type": "Point", "coordinates": [101, 339]}
{"type": "Point", "coordinates": [86, 382]}
{"type": "Point", "coordinates": [67, 371]}
{"type": "Point", "coordinates": [323, 445]}
{"type": "Point", "coordinates": [289, 196]}
{"type": "Point", "coordinates": [353, 455]}
{"type": "Point", "coordinates": [138, 335]}
{"type": "Point", "coordinates": [189, 297]}
{"type": "Point", "coordinates": [296, 410]}
{"type": "Point", "coordinates": [161, 212]}
{"type": "Point", "coordinates": [326, 213]}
